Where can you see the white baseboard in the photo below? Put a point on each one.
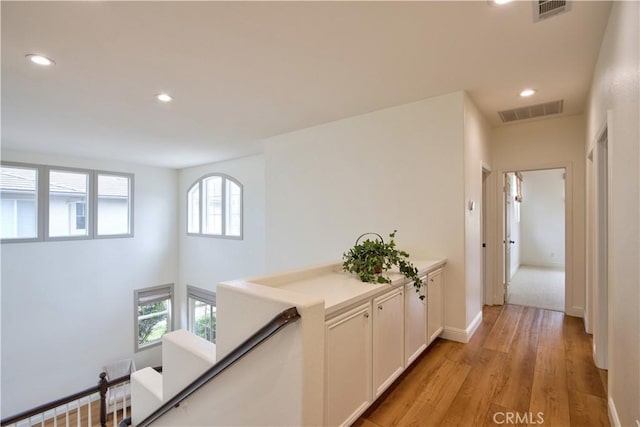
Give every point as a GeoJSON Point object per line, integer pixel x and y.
{"type": "Point", "coordinates": [575, 312]}
{"type": "Point", "coordinates": [543, 265]}
{"type": "Point", "coordinates": [454, 334]}
{"type": "Point", "coordinates": [613, 414]}
{"type": "Point", "coordinates": [473, 326]}
{"type": "Point", "coordinates": [462, 335]}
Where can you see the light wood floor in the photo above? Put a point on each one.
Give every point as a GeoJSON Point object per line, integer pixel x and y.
{"type": "Point", "coordinates": [521, 360]}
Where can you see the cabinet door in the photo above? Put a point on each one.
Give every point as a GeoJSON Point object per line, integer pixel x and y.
{"type": "Point", "coordinates": [348, 366]}
{"type": "Point", "coordinates": [415, 322]}
{"type": "Point", "coordinates": [435, 305]}
{"type": "Point", "coordinates": [388, 339]}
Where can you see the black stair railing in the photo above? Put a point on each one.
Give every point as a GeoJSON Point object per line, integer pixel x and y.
{"type": "Point", "coordinates": [283, 319]}
{"type": "Point", "coordinates": [101, 388]}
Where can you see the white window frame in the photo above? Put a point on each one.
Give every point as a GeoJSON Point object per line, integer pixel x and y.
{"type": "Point", "coordinates": [159, 293]}
{"type": "Point", "coordinates": [198, 294]}
{"type": "Point", "coordinates": [46, 171]}
{"type": "Point", "coordinates": [39, 203]}
{"type": "Point", "coordinates": [201, 207]}
{"type": "Point", "coordinates": [42, 201]}
{"type": "Point", "coordinates": [130, 176]}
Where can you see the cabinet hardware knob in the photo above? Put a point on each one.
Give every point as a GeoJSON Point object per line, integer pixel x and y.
{"type": "Point", "coordinates": [366, 315]}
{"type": "Point", "coordinates": [431, 280]}
{"type": "Point", "coordinates": [379, 307]}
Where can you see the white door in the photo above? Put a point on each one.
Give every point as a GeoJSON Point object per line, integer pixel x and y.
{"type": "Point", "coordinates": [348, 366]}
{"type": "Point", "coordinates": [388, 339]}
{"type": "Point", "coordinates": [507, 236]}
{"type": "Point", "coordinates": [415, 322]}
{"type": "Point", "coordinates": [435, 306]}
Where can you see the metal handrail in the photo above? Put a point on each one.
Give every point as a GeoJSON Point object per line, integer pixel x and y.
{"type": "Point", "coordinates": [267, 331]}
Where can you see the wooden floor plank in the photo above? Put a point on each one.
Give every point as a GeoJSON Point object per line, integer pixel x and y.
{"type": "Point", "coordinates": [604, 379]}
{"type": "Point", "coordinates": [547, 372]}
{"type": "Point", "coordinates": [587, 410]}
{"type": "Point", "coordinates": [432, 404]}
{"type": "Point", "coordinates": [398, 401]}
{"type": "Point", "coordinates": [582, 374]}
{"type": "Point", "coordinates": [552, 329]}
{"type": "Point", "coordinates": [516, 380]}
{"type": "Point", "coordinates": [448, 374]}
{"type": "Point", "coordinates": [549, 393]}
{"type": "Point", "coordinates": [504, 329]}
{"type": "Point", "coordinates": [469, 406]}
{"type": "Point", "coordinates": [490, 313]}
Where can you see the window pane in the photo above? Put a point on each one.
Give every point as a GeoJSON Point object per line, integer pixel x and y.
{"type": "Point", "coordinates": [204, 320]}
{"type": "Point", "coordinates": [193, 209]}
{"type": "Point", "coordinates": [114, 200]}
{"type": "Point", "coordinates": [213, 205]}
{"type": "Point", "coordinates": [18, 189]}
{"type": "Point", "coordinates": [233, 209]}
{"type": "Point", "coordinates": [67, 190]}
{"type": "Point", "coordinates": [153, 321]}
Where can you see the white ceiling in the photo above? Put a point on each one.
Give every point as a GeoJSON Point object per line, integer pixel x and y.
{"type": "Point", "coordinates": [241, 72]}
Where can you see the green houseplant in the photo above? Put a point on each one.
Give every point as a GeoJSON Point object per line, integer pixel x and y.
{"type": "Point", "coordinates": [370, 259]}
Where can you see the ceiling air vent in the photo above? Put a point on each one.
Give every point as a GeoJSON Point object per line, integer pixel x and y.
{"type": "Point", "coordinates": [543, 9]}
{"type": "Point", "coordinates": [531, 111]}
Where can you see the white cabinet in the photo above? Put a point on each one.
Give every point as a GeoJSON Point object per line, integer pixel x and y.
{"type": "Point", "coordinates": [415, 322]}
{"type": "Point", "coordinates": [369, 346]}
{"type": "Point", "coordinates": [348, 366]}
{"type": "Point", "coordinates": [435, 305]}
{"type": "Point", "coordinates": [388, 339]}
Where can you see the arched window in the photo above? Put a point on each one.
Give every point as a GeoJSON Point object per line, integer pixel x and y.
{"type": "Point", "coordinates": [214, 207]}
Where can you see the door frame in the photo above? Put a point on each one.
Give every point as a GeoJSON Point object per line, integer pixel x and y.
{"type": "Point", "coordinates": [484, 222]}
{"type": "Point", "coordinates": [498, 292]}
{"type": "Point", "coordinates": [506, 234]}
{"type": "Point", "coordinates": [601, 243]}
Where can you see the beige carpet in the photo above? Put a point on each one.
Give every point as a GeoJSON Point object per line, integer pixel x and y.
{"type": "Point", "coordinates": [538, 287]}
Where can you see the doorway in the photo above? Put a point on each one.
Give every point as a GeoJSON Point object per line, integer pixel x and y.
{"type": "Point", "coordinates": [535, 238]}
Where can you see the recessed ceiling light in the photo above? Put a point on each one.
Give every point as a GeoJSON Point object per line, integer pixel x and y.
{"type": "Point", "coordinates": [527, 92]}
{"type": "Point", "coordinates": [500, 2]}
{"type": "Point", "coordinates": [40, 60]}
{"type": "Point", "coordinates": [164, 97]}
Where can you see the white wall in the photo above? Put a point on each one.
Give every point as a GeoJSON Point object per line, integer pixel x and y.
{"type": "Point", "coordinates": [207, 261]}
{"type": "Point", "coordinates": [67, 307]}
{"type": "Point", "coordinates": [542, 218]}
{"type": "Point", "coordinates": [476, 155]}
{"type": "Point", "coordinates": [399, 168]}
{"type": "Point", "coordinates": [544, 144]}
{"type": "Point", "coordinates": [615, 88]}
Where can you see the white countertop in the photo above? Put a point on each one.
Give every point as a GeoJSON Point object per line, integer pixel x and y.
{"type": "Point", "coordinates": [337, 288]}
